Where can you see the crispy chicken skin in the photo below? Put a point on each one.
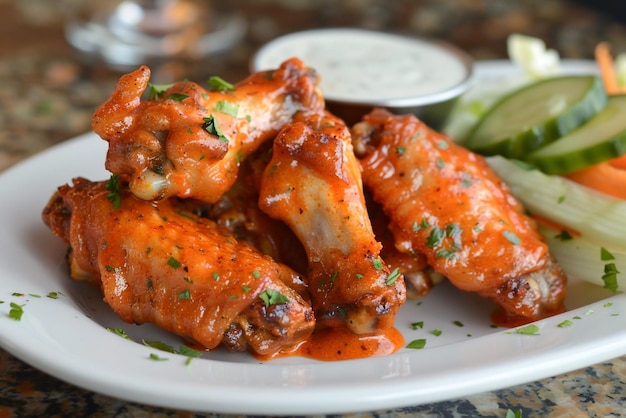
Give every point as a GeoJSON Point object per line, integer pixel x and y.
{"type": "Point", "coordinates": [158, 263]}
{"type": "Point", "coordinates": [187, 141]}
{"type": "Point", "coordinates": [313, 184]}
{"type": "Point", "coordinates": [445, 203]}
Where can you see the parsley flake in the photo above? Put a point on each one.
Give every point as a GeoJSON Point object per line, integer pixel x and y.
{"type": "Point", "coordinates": [16, 311]}
{"type": "Point", "coordinates": [393, 277]}
{"type": "Point", "coordinates": [219, 84]}
{"type": "Point", "coordinates": [211, 126]}
{"type": "Point", "coordinates": [112, 186]}
{"type": "Point", "coordinates": [273, 297]}
{"type": "Point", "coordinates": [417, 344]}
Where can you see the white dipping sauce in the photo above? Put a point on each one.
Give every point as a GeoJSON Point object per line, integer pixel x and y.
{"type": "Point", "coordinates": [361, 66]}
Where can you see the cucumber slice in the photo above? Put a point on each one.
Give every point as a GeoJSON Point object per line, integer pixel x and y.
{"type": "Point", "coordinates": [600, 139]}
{"type": "Point", "coordinates": [537, 114]}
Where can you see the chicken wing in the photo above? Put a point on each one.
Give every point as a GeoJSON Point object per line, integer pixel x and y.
{"type": "Point", "coordinates": [313, 184]}
{"type": "Point", "coordinates": [445, 203]}
{"type": "Point", "coordinates": [158, 263]}
{"type": "Point", "coordinates": [186, 141]}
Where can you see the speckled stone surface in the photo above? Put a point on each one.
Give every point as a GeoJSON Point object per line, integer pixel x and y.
{"type": "Point", "coordinates": [48, 93]}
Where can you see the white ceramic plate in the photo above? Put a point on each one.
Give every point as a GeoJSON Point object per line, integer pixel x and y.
{"type": "Point", "coordinates": [68, 337]}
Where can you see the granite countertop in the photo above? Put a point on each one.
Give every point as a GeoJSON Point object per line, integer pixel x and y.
{"type": "Point", "coordinates": [49, 93]}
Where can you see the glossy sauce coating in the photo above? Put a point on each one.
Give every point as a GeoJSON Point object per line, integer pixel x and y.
{"type": "Point", "coordinates": [445, 202]}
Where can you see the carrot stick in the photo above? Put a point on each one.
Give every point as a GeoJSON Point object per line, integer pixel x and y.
{"type": "Point", "coordinates": [603, 177]}
{"type": "Point", "coordinates": [607, 71]}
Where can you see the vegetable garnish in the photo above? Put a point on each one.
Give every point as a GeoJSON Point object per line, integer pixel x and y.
{"type": "Point", "coordinates": [610, 277]}
{"type": "Point", "coordinates": [112, 186]}
{"type": "Point", "coordinates": [177, 97]}
{"type": "Point", "coordinates": [156, 357]}
{"type": "Point", "coordinates": [393, 277]}
{"type": "Point", "coordinates": [528, 330]}
{"type": "Point", "coordinates": [157, 90]}
{"type": "Point", "coordinates": [565, 324]}
{"type": "Point", "coordinates": [273, 297]}
{"type": "Point", "coordinates": [16, 311]}
{"type": "Point", "coordinates": [173, 263]}
{"type": "Point", "coordinates": [120, 332]}
{"type": "Point", "coordinates": [227, 107]}
{"type": "Point", "coordinates": [211, 126]}
{"type": "Point", "coordinates": [190, 353]}
{"type": "Point", "coordinates": [417, 344]}
{"type": "Point", "coordinates": [417, 325]}
{"type": "Point", "coordinates": [219, 84]}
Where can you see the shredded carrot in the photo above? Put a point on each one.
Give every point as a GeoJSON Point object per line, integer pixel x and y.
{"type": "Point", "coordinates": [607, 70]}
{"type": "Point", "coordinates": [555, 225]}
{"type": "Point", "coordinates": [608, 177]}
{"type": "Point", "coordinates": [619, 162]}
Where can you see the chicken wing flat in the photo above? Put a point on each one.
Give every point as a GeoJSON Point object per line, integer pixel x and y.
{"type": "Point", "coordinates": [445, 203]}
{"type": "Point", "coordinates": [187, 141]}
{"type": "Point", "coordinates": [313, 184]}
{"type": "Point", "coordinates": [158, 263]}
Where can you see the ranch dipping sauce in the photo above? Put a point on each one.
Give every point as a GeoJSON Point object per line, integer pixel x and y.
{"type": "Point", "coordinates": [374, 68]}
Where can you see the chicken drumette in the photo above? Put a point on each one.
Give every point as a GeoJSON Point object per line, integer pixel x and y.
{"type": "Point", "coordinates": [313, 184]}
{"type": "Point", "coordinates": [159, 263]}
{"type": "Point", "coordinates": [445, 203]}
{"type": "Point", "coordinates": [186, 141]}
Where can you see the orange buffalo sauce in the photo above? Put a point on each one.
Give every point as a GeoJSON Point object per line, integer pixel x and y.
{"type": "Point", "coordinates": [338, 343]}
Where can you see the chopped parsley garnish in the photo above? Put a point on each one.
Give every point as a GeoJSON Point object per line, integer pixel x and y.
{"type": "Point", "coordinates": [400, 151]}
{"type": "Point", "coordinates": [184, 295]}
{"type": "Point", "coordinates": [564, 236]}
{"type": "Point", "coordinates": [435, 238]}
{"type": "Point", "coordinates": [245, 288]}
{"type": "Point", "coordinates": [211, 126]}
{"type": "Point", "coordinates": [219, 84]}
{"type": "Point", "coordinates": [190, 353]}
{"type": "Point", "coordinates": [377, 263]}
{"type": "Point", "coordinates": [273, 297]}
{"type": "Point", "coordinates": [178, 97]}
{"type": "Point", "coordinates": [159, 345]}
{"type": "Point", "coordinates": [119, 332]}
{"type": "Point", "coordinates": [436, 332]}
{"type": "Point", "coordinates": [16, 311]}
{"type": "Point", "coordinates": [157, 90]}
{"type": "Point", "coordinates": [112, 186]}
{"type": "Point", "coordinates": [417, 344]}
{"type": "Point", "coordinates": [156, 357]}
{"type": "Point", "coordinates": [227, 107]}
{"type": "Point", "coordinates": [173, 263]}
{"type": "Point", "coordinates": [606, 255]}
{"type": "Point", "coordinates": [458, 323]}
{"type": "Point", "coordinates": [528, 330]}
{"type": "Point", "coordinates": [54, 295]}
{"type": "Point", "coordinates": [610, 277]}
{"type": "Point", "coordinates": [565, 324]}
{"type": "Point", "coordinates": [393, 277]}
{"type": "Point", "coordinates": [417, 325]}
{"type": "Point", "coordinates": [256, 274]}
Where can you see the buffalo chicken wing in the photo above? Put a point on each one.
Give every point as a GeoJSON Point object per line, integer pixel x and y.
{"type": "Point", "coordinates": [313, 184]}
{"type": "Point", "coordinates": [186, 141]}
{"type": "Point", "coordinates": [445, 203]}
{"type": "Point", "coordinates": [158, 263]}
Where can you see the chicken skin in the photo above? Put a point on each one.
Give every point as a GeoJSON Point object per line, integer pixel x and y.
{"type": "Point", "coordinates": [313, 184]}
{"type": "Point", "coordinates": [188, 142]}
{"type": "Point", "coordinates": [445, 203]}
{"type": "Point", "coordinates": [158, 263]}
